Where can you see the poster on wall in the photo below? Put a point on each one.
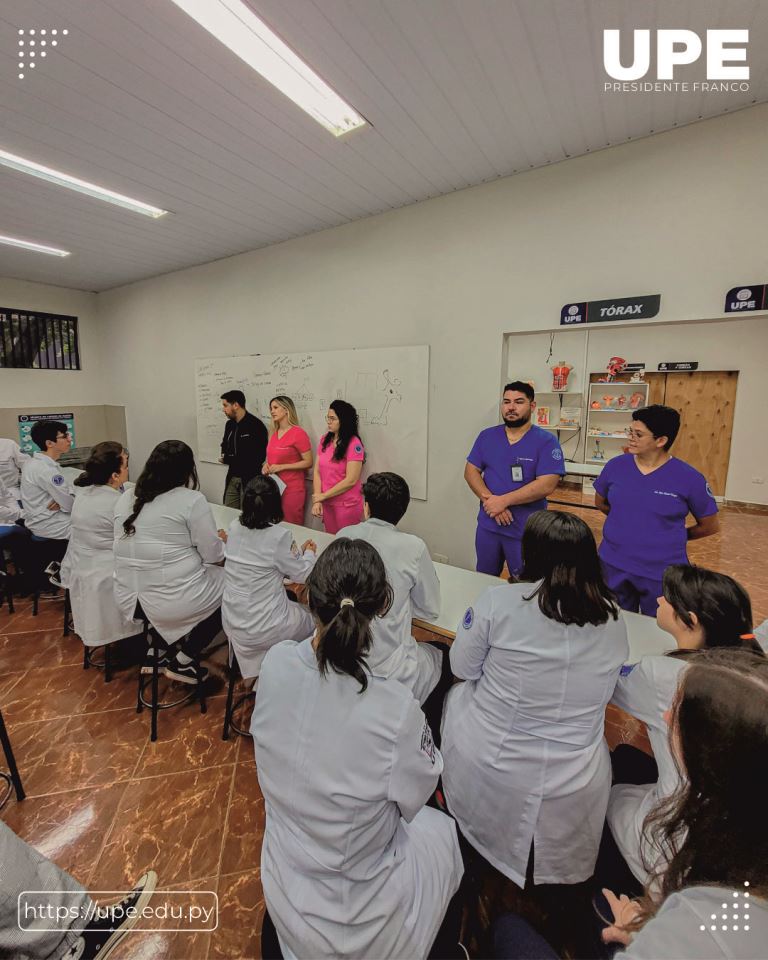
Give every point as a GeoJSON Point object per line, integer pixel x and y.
{"type": "Point", "coordinates": [603, 311]}
{"type": "Point", "coordinates": [746, 298]}
{"type": "Point", "coordinates": [26, 420]}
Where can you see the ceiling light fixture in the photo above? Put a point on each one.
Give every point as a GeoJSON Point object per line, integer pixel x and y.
{"type": "Point", "coordinates": [234, 24]}
{"type": "Point", "coordinates": [74, 183]}
{"type": "Point", "coordinates": [36, 247]}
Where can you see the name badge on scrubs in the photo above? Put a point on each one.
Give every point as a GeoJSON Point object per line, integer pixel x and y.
{"type": "Point", "coordinates": [517, 473]}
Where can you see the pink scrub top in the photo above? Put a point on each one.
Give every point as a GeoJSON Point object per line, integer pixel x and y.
{"type": "Point", "coordinates": [289, 449]}
{"type": "Point", "coordinates": [333, 471]}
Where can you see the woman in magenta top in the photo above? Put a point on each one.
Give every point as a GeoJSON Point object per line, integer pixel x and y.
{"type": "Point", "coordinates": [289, 456]}
{"type": "Point", "coordinates": [338, 494]}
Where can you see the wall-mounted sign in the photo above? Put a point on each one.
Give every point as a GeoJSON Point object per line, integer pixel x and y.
{"type": "Point", "coordinates": [744, 299]}
{"type": "Point", "coordinates": [678, 365]}
{"type": "Point", "coordinates": [601, 311]}
{"type": "Point", "coordinates": [26, 420]}
{"type": "Point", "coordinates": [634, 367]}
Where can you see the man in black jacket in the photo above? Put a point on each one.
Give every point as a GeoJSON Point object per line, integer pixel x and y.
{"type": "Point", "coordinates": [244, 447]}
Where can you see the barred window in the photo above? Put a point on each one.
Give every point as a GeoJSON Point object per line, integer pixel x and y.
{"type": "Point", "coordinates": [38, 341]}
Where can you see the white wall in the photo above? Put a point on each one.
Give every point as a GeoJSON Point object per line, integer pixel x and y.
{"type": "Point", "coordinates": [56, 388]}
{"type": "Point", "coordinates": [676, 214]}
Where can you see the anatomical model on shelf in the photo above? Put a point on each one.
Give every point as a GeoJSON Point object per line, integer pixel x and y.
{"type": "Point", "coordinates": [597, 453]}
{"type": "Point", "coordinates": [560, 376]}
{"type": "Point", "coordinates": [636, 399]}
{"type": "Point", "coordinates": [615, 366]}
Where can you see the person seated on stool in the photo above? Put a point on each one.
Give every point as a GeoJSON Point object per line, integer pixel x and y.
{"type": "Point", "coordinates": [411, 572]}
{"type": "Point", "coordinates": [14, 537]}
{"type": "Point", "coordinates": [352, 864]}
{"type": "Point", "coordinates": [88, 566]}
{"type": "Point", "coordinates": [526, 762]}
{"type": "Point", "coordinates": [45, 493]}
{"type": "Point", "coordinates": [169, 557]}
{"type": "Point", "coordinates": [702, 610]}
{"type": "Point", "coordinates": [12, 460]}
{"type": "Point", "coordinates": [646, 495]}
{"type": "Point", "coordinates": [256, 612]}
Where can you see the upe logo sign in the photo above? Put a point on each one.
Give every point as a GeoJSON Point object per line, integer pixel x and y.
{"type": "Point", "coordinates": [725, 52]}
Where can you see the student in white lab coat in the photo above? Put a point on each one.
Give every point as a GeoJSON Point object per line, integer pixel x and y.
{"type": "Point", "coordinates": [45, 493]}
{"type": "Point", "coordinates": [353, 864]}
{"type": "Point", "coordinates": [256, 612]}
{"type": "Point", "coordinates": [526, 763]}
{"type": "Point", "coordinates": [711, 899]}
{"type": "Point", "coordinates": [169, 558]}
{"type": "Point", "coordinates": [11, 462]}
{"type": "Point", "coordinates": [702, 610]}
{"type": "Point", "coordinates": [88, 567]}
{"type": "Point", "coordinates": [414, 581]}
{"type": "Point", "coordinates": [14, 538]}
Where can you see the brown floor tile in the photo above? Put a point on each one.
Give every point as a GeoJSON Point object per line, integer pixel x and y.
{"type": "Point", "coordinates": [81, 751]}
{"type": "Point", "coordinates": [241, 910]}
{"type": "Point", "coordinates": [171, 824]}
{"type": "Point", "coordinates": [51, 692]}
{"type": "Point", "coordinates": [188, 739]}
{"type": "Point", "coordinates": [68, 828]}
{"type": "Point", "coordinates": [245, 824]}
{"type": "Point", "coordinates": [50, 616]}
{"type": "Point", "coordinates": [42, 648]}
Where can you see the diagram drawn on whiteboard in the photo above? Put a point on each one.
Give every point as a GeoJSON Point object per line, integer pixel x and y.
{"type": "Point", "coordinates": [391, 395]}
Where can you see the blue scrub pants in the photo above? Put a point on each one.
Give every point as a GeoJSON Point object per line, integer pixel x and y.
{"type": "Point", "coordinates": [634, 593]}
{"type": "Point", "coordinates": [493, 549]}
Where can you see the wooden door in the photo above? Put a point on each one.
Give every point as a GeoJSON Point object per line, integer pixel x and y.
{"type": "Point", "coordinates": [706, 401]}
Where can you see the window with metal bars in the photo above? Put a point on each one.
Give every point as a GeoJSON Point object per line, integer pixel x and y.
{"type": "Point", "coordinates": [38, 341]}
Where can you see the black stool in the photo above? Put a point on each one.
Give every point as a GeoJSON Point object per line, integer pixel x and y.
{"type": "Point", "coordinates": [6, 590]}
{"type": "Point", "coordinates": [232, 708]}
{"type": "Point", "coordinates": [12, 778]}
{"type": "Point", "coordinates": [152, 637]}
{"type": "Point", "coordinates": [42, 551]}
{"type": "Point", "coordinates": [88, 660]}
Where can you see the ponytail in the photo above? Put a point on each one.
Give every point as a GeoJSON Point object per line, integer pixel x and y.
{"type": "Point", "coordinates": [171, 464]}
{"type": "Point", "coordinates": [347, 589]}
{"type": "Point", "coordinates": [105, 459]}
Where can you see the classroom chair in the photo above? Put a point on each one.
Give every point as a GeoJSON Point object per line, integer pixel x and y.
{"type": "Point", "coordinates": [12, 778]}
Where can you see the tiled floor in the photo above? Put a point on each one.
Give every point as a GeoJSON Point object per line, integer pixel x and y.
{"type": "Point", "coordinates": [106, 804]}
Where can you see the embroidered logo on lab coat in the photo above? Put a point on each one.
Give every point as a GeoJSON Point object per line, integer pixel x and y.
{"type": "Point", "coordinates": [295, 549]}
{"type": "Point", "coordinates": [358, 448]}
{"type": "Point", "coordinates": [556, 455]}
{"type": "Point", "coordinates": [469, 616]}
{"type": "Point", "coordinates": [58, 480]}
{"type": "Point", "coordinates": [427, 743]}
{"type": "Point", "coordinates": [627, 669]}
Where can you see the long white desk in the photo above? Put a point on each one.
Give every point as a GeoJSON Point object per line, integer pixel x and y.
{"type": "Point", "coordinates": [460, 588]}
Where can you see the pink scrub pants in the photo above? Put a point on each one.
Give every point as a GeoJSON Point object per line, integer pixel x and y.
{"type": "Point", "coordinates": [337, 515]}
{"type": "Point", "coordinates": [293, 504]}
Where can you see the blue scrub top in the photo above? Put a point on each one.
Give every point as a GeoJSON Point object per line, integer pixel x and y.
{"type": "Point", "coordinates": [645, 531]}
{"type": "Point", "coordinates": [538, 454]}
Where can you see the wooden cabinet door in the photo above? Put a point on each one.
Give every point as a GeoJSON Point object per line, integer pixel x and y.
{"type": "Point", "coordinates": [706, 401]}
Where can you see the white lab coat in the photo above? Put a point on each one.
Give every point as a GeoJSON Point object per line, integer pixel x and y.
{"type": "Point", "coordinates": [169, 562]}
{"type": "Point", "coordinates": [646, 692]}
{"type": "Point", "coordinates": [682, 928]}
{"type": "Point", "coordinates": [525, 756]}
{"type": "Point", "coordinates": [352, 864]}
{"type": "Point", "coordinates": [88, 569]}
{"type": "Point", "coordinates": [11, 462]}
{"type": "Point", "coordinates": [10, 511]}
{"type": "Point", "coordinates": [256, 612]}
{"type": "Point", "coordinates": [42, 482]}
{"type": "Point", "coordinates": [411, 572]}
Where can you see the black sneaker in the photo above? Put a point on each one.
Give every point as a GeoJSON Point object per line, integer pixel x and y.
{"type": "Point", "coordinates": [184, 673]}
{"type": "Point", "coordinates": [162, 661]}
{"type": "Point", "coordinates": [112, 923]}
{"type": "Point", "coordinates": [54, 574]}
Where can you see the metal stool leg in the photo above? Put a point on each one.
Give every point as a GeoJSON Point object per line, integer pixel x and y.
{"type": "Point", "coordinates": [139, 699]}
{"type": "Point", "coordinates": [107, 663]}
{"type": "Point", "coordinates": [6, 592]}
{"type": "Point", "coordinates": [86, 661]}
{"type": "Point", "coordinates": [13, 770]}
{"type": "Point", "coordinates": [155, 673]}
{"type": "Point", "coordinates": [230, 697]}
{"type": "Point", "coordinates": [200, 688]}
{"type": "Point", "coordinates": [67, 612]}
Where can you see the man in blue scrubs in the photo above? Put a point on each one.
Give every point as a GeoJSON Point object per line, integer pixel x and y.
{"type": "Point", "coordinates": [512, 468]}
{"type": "Point", "coordinates": [646, 495]}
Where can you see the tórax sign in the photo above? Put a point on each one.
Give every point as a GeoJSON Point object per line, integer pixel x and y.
{"type": "Point", "coordinates": [749, 297]}
{"type": "Point", "coordinates": [601, 311]}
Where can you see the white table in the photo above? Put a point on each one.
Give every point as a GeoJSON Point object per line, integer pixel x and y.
{"type": "Point", "coordinates": [460, 588]}
{"type": "Point", "coordinates": [583, 469]}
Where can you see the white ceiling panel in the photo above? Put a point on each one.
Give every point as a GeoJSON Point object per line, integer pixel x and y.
{"type": "Point", "coordinates": [140, 99]}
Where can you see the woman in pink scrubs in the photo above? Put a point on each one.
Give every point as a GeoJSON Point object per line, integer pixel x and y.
{"type": "Point", "coordinates": [289, 456]}
{"type": "Point", "coordinates": [338, 495]}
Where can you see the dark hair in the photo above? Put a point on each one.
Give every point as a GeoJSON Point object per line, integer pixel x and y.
{"type": "Point", "coordinates": [262, 504]}
{"type": "Point", "coordinates": [661, 421]}
{"type": "Point", "coordinates": [559, 549]}
{"type": "Point", "coordinates": [348, 428]}
{"type": "Point", "coordinates": [387, 496]}
{"type": "Point", "coordinates": [43, 430]}
{"type": "Point", "coordinates": [713, 827]}
{"type": "Point", "coordinates": [347, 569]}
{"type": "Point", "coordinates": [520, 386]}
{"type": "Point", "coordinates": [171, 464]}
{"type": "Point", "coordinates": [234, 396]}
{"type": "Point", "coordinates": [105, 459]}
{"type": "Point", "coordinates": [722, 606]}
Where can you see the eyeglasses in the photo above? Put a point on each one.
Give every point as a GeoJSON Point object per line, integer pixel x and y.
{"type": "Point", "coordinates": [636, 435]}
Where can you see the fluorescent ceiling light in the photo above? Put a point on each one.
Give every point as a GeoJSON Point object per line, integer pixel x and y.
{"type": "Point", "coordinates": [237, 27]}
{"type": "Point", "coordinates": [37, 247]}
{"type": "Point", "coordinates": [73, 183]}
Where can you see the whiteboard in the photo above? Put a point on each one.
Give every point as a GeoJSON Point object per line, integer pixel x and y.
{"type": "Point", "coordinates": [388, 386]}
